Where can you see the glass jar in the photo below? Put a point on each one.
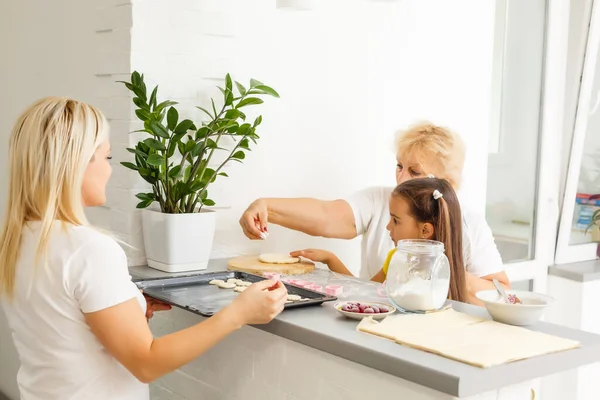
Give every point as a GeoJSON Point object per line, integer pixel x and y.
{"type": "Point", "coordinates": [418, 277]}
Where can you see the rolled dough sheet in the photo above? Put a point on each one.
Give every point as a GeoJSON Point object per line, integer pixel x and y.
{"type": "Point", "coordinates": [468, 339]}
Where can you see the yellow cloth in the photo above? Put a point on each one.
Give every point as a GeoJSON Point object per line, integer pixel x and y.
{"type": "Point", "coordinates": [386, 263]}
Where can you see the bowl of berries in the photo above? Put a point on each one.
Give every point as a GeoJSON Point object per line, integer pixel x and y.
{"type": "Point", "coordinates": [361, 309]}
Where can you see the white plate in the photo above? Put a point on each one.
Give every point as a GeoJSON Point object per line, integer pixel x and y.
{"type": "Point", "coordinates": [359, 316]}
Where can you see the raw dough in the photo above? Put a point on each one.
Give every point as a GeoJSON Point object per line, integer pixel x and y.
{"type": "Point", "coordinates": [466, 338]}
{"type": "Point", "coordinates": [216, 282]}
{"type": "Point", "coordinates": [227, 285]}
{"type": "Point", "coordinates": [240, 289]}
{"type": "Point", "coordinates": [244, 283]}
{"type": "Point", "coordinates": [276, 258]}
{"type": "Point", "coordinates": [233, 280]}
{"type": "Point", "coordinates": [288, 301]}
{"type": "Point", "coordinates": [294, 297]}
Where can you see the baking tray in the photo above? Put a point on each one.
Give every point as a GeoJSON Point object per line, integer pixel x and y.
{"type": "Point", "coordinates": [193, 293]}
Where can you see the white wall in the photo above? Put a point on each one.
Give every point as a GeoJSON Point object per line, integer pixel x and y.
{"type": "Point", "coordinates": [48, 48]}
{"type": "Point", "coordinates": [350, 72]}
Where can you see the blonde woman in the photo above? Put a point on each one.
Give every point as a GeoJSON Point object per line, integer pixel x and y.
{"type": "Point", "coordinates": [421, 150]}
{"type": "Point", "coordinates": [78, 321]}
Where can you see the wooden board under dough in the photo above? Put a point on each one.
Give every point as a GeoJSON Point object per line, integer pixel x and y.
{"type": "Point", "coordinates": [467, 339]}
{"type": "Point", "coordinates": [252, 265]}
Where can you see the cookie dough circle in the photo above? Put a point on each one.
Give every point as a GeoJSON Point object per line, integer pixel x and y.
{"type": "Point", "coordinates": [227, 285]}
{"type": "Point", "coordinates": [277, 258]}
{"type": "Point", "coordinates": [216, 282]}
{"type": "Point", "coordinates": [240, 289]}
{"type": "Point", "coordinates": [294, 297]}
{"type": "Point", "coordinates": [244, 283]}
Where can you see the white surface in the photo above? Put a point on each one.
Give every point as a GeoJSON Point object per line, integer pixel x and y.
{"type": "Point", "coordinates": [178, 242]}
{"type": "Point", "coordinates": [60, 356]}
{"type": "Point", "coordinates": [566, 253]}
{"type": "Point", "coordinates": [533, 307]}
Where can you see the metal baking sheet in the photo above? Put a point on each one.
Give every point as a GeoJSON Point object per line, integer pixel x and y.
{"type": "Point", "coordinates": [193, 293]}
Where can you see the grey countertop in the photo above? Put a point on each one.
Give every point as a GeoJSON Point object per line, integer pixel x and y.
{"type": "Point", "coordinates": [324, 329]}
{"type": "Point", "coordinates": [585, 271]}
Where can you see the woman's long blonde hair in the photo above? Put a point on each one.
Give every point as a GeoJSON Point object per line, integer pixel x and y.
{"type": "Point", "coordinates": [50, 146]}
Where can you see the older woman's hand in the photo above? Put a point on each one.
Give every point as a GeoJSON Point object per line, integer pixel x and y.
{"type": "Point", "coordinates": [153, 305]}
{"type": "Point", "coordinates": [254, 220]}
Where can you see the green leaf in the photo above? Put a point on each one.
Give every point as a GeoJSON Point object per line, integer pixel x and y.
{"type": "Point", "coordinates": [254, 83]}
{"type": "Point", "coordinates": [167, 103]}
{"type": "Point", "coordinates": [202, 132]}
{"type": "Point", "coordinates": [159, 129]}
{"type": "Point", "coordinates": [233, 114]}
{"type": "Point", "coordinates": [229, 97]}
{"type": "Point", "coordinates": [205, 110]}
{"type": "Point", "coordinates": [244, 144]}
{"type": "Point", "coordinates": [155, 144]}
{"type": "Point", "coordinates": [152, 102]}
{"type": "Point", "coordinates": [130, 165]}
{"type": "Point", "coordinates": [140, 103]}
{"type": "Point", "coordinates": [257, 121]}
{"type": "Point", "coordinates": [145, 196]}
{"type": "Point", "coordinates": [213, 106]}
{"type": "Point", "coordinates": [175, 140]}
{"type": "Point", "coordinates": [189, 146]}
{"type": "Point", "coordinates": [223, 174]}
{"type": "Point", "coordinates": [172, 118]}
{"type": "Point", "coordinates": [138, 152]}
{"type": "Point", "coordinates": [233, 128]}
{"type": "Point", "coordinates": [135, 78]}
{"type": "Point", "coordinates": [183, 126]}
{"type": "Point", "coordinates": [203, 194]}
{"type": "Point", "coordinates": [143, 114]}
{"type": "Point", "coordinates": [240, 88]}
{"type": "Point", "coordinates": [197, 149]}
{"type": "Point", "coordinates": [228, 83]}
{"type": "Point", "coordinates": [208, 202]}
{"type": "Point", "coordinates": [238, 155]}
{"type": "Point", "coordinates": [244, 129]}
{"type": "Point", "coordinates": [144, 204]}
{"type": "Point", "coordinates": [175, 171]}
{"type": "Point", "coordinates": [267, 90]}
{"type": "Point", "coordinates": [249, 101]}
{"type": "Point", "coordinates": [155, 159]}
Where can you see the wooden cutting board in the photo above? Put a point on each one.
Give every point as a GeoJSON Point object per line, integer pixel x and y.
{"type": "Point", "coordinates": [252, 265]}
{"type": "Point", "coordinates": [465, 338]}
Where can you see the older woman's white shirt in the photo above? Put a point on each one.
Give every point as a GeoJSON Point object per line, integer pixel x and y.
{"type": "Point", "coordinates": [371, 215]}
{"type": "Point", "coordinates": [60, 356]}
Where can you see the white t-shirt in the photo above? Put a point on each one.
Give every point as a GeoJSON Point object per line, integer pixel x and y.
{"type": "Point", "coordinates": [61, 359]}
{"type": "Point", "coordinates": [371, 215]}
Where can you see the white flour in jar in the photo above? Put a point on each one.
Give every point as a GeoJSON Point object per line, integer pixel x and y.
{"type": "Point", "coordinates": [420, 295]}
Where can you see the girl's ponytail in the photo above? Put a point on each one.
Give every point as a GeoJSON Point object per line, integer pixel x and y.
{"type": "Point", "coordinates": [448, 234]}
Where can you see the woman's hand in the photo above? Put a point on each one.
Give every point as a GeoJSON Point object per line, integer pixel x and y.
{"type": "Point", "coordinates": [153, 305]}
{"type": "Point", "coordinates": [254, 220]}
{"type": "Point", "coordinates": [259, 303]}
{"type": "Point", "coordinates": [322, 256]}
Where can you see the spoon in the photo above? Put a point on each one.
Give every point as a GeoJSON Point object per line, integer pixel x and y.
{"type": "Point", "coordinates": [509, 299]}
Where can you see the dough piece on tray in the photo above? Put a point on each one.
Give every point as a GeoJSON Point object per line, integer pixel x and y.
{"type": "Point", "coordinates": [227, 285]}
{"type": "Point", "coordinates": [240, 289]}
{"type": "Point", "coordinates": [294, 297]}
{"type": "Point", "coordinates": [276, 258]}
{"type": "Point", "coordinates": [216, 282]}
{"type": "Point", "coordinates": [244, 283]}
{"type": "Point", "coordinates": [234, 280]}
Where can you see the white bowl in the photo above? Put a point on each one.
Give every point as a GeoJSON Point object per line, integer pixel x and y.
{"type": "Point", "coordinates": [360, 316]}
{"type": "Point", "coordinates": [527, 313]}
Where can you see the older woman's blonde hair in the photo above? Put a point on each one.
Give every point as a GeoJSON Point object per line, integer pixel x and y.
{"type": "Point", "coordinates": [50, 146]}
{"type": "Point", "coordinates": [432, 144]}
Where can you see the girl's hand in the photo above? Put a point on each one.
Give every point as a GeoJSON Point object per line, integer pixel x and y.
{"type": "Point", "coordinates": [316, 255]}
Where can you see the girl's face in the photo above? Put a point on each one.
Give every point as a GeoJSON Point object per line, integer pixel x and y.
{"type": "Point", "coordinates": [96, 177]}
{"type": "Point", "coordinates": [403, 225]}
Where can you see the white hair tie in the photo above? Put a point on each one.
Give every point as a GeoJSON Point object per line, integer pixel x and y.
{"type": "Point", "coordinates": [430, 176]}
{"type": "Point", "coordinates": [437, 195]}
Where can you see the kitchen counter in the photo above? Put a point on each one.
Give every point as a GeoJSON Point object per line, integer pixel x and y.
{"type": "Point", "coordinates": [322, 330]}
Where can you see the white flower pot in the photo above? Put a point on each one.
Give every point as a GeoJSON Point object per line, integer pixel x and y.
{"type": "Point", "coordinates": [178, 242]}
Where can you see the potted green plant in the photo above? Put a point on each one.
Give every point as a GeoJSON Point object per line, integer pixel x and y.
{"type": "Point", "coordinates": [176, 160]}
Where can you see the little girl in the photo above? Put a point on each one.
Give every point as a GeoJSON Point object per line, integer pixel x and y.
{"type": "Point", "coordinates": [425, 208]}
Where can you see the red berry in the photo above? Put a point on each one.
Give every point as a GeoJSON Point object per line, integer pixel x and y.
{"type": "Point", "coordinates": [369, 310]}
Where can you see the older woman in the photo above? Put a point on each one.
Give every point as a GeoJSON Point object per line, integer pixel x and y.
{"type": "Point", "coordinates": [422, 150]}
